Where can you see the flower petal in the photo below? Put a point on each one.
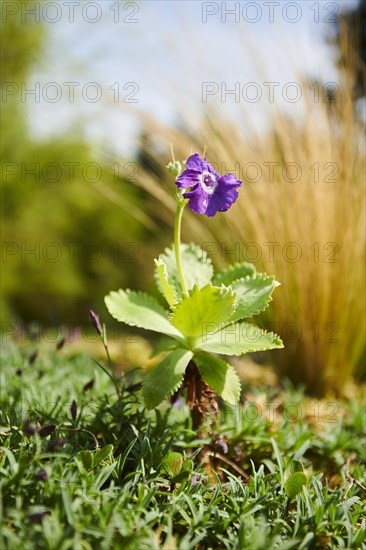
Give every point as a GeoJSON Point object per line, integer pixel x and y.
{"type": "Point", "coordinates": [221, 201]}
{"type": "Point", "coordinates": [195, 162]}
{"type": "Point", "coordinates": [229, 180]}
{"type": "Point", "coordinates": [213, 171]}
{"type": "Point", "coordinates": [209, 192]}
{"type": "Point", "coordinates": [189, 178]}
{"type": "Point", "coordinates": [198, 200]}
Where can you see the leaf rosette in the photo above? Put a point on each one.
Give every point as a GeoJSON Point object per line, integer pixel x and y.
{"type": "Point", "coordinates": [198, 325]}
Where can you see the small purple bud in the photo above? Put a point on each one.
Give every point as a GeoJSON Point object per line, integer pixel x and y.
{"type": "Point", "coordinates": [88, 386]}
{"type": "Point", "coordinates": [19, 372]}
{"type": "Point", "coordinates": [37, 517]}
{"type": "Point", "coordinates": [33, 357]}
{"type": "Point", "coordinates": [73, 410]}
{"type": "Point", "coordinates": [42, 475]}
{"type": "Point", "coordinates": [47, 430]}
{"type": "Point", "coordinates": [60, 344]}
{"type": "Point", "coordinates": [134, 387]}
{"type": "Point", "coordinates": [95, 322]}
{"type": "Point", "coordinates": [28, 428]}
{"type": "Point", "coordinates": [221, 444]}
{"type": "Point", "coordinates": [57, 444]}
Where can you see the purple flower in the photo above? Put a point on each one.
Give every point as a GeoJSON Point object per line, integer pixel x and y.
{"type": "Point", "coordinates": [47, 430]}
{"type": "Point", "coordinates": [42, 475]}
{"type": "Point", "coordinates": [221, 444]}
{"type": "Point", "coordinates": [56, 444]}
{"type": "Point", "coordinates": [195, 479]}
{"type": "Point", "coordinates": [28, 428]}
{"type": "Point", "coordinates": [37, 517]}
{"type": "Point", "coordinates": [208, 192]}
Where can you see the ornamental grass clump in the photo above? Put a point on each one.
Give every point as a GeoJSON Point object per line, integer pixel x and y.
{"type": "Point", "coordinates": [205, 311]}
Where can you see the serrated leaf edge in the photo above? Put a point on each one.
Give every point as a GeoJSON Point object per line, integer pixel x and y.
{"type": "Point", "coordinates": [150, 298]}
{"type": "Point", "coordinates": [191, 246]}
{"type": "Point", "coordinates": [232, 267]}
{"type": "Point", "coordinates": [158, 262]}
{"type": "Point", "coordinates": [196, 287]}
{"type": "Point", "coordinates": [253, 277]}
{"type": "Point", "coordinates": [201, 257]}
{"type": "Point", "coordinates": [252, 350]}
{"type": "Point", "coordinates": [153, 300]}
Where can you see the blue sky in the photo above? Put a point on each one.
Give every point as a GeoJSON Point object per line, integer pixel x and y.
{"type": "Point", "coordinates": [163, 52]}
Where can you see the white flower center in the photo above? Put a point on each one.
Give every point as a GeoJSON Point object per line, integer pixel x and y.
{"type": "Point", "coordinates": [208, 181]}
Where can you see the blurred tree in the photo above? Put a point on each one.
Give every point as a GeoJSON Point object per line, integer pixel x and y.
{"type": "Point", "coordinates": [68, 237]}
{"type": "Point", "coordinates": [20, 48]}
{"type": "Point", "coordinates": [352, 25]}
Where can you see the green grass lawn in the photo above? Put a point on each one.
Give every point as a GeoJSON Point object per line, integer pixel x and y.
{"type": "Point", "coordinates": [82, 468]}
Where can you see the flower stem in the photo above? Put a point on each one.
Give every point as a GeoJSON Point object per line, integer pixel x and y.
{"type": "Point", "coordinates": [177, 227]}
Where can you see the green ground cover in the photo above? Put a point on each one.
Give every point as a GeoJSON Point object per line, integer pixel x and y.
{"type": "Point", "coordinates": [82, 467]}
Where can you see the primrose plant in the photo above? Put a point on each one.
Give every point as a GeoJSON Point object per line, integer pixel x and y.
{"type": "Point", "coordinates": [204, 311]}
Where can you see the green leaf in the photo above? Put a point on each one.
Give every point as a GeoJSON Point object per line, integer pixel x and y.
{"type": "Point", "coordinates": [176, 468]}
{"type": "Point", "coordinates": [86, 458]}
{"type": "Point", "coordinates": [234, 272]}
{"type": "Point", "coordinates": [172, 464]}
{"type": "Point", "coordinates": [295, 483]}
{"type": "Point", "coordinates": [91, 460]}
{"type": "Point", "coordinates": [102, 454]}
{"type": "Point", "coordinates": [197, 267]}
{"type": "Point", "coordinates": [292, 467]}
{"type": "Point", "coordinates": [220, 376]}
{"type": "Point", "coordinates": [166, 377]}
{"type": "Point", "coordinates": [165, 344]}
{"type": "Point", "coordinates": [205, 309]}
{"type": "Point", "coordinates": [167, 289]}
{"type": "Point", "coordinates": [140, 310]}
{"type": "Point", "coordinates": [187, 466]}
{"type": "Point", "coordinates": [253, 295]}
{"type": "Point", "coordinates": [182, 476]}
{"type": "Point", "coordinates": [239, 338]}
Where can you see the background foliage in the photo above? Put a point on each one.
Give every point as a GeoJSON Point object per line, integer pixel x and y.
{"type": "Point", "coordinates": [125, 220]}
{"type": "Point", "coordinates": [65, 230]}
